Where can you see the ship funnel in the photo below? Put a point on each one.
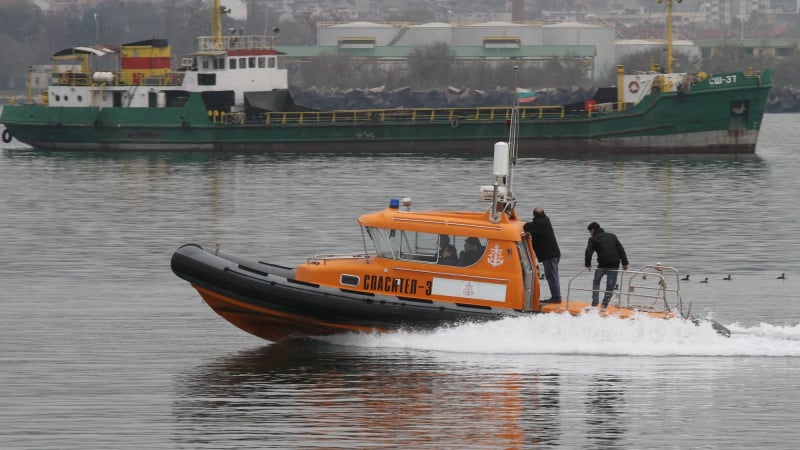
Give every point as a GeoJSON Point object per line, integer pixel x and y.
{"type": "Point", "coordinates": [500, 159]}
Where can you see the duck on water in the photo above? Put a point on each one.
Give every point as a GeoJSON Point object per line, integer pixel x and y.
{"type": "Point", "coordinates": [400, 279]}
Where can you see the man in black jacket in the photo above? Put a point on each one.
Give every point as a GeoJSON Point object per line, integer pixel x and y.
{"type": "Point", "coordinates": [546, 247]}
{"type": "Point", "coordinates": [609, 254]}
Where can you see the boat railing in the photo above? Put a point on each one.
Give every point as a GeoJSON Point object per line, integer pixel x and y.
{"type": "Point", "coordinates": [72, 78]}
{"type": "Point", "coordinates": [452, 116]}
{"type": "Point", "coordinates": [651, 288]}
{"type": "Point", "coordinates": [323, 258]}
{"type": "Point", "coordinates": [235, 42]}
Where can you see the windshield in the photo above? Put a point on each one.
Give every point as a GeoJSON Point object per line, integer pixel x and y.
{"type": "Point", "coordinates": [427, 247]}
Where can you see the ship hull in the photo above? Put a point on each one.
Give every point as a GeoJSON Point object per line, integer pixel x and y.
{"type": "Point", "coordinates": [709, 119]}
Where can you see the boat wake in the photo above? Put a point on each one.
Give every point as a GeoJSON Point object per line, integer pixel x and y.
{"type": "Point", "coordinates": [589, 334]}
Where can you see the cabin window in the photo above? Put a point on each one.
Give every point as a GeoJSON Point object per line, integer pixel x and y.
{"type": "Point", "coordinates": [232, 63]}
{"type": "Point", "coordinates": [205, 64]}
{"type": "Point", "coordinates": [251, 62]}
{"type": "Point", "coordinates": [262, 62]}
{"type": "Point", "coordinates": [242, 63]}
{"type": "Point", "coordinates": [207, 79]}
{"type": "Point", "coordinates": [219, 63]}
{"type": "Point", "coordinates": [427, 247]}
{"type": "Point", "coordinates": [271, 63]}
{"type": "Point", "coordinates": [349, 280]}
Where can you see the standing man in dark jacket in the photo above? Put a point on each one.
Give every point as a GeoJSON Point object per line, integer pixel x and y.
{"type": "Point", "coordinates": [546, 247]}
{"type": "Point", "coordinates": [609, 254]}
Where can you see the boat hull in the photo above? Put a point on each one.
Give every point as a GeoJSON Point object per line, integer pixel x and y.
{"type": "Point", "coordinates": [266, 301]}
{"type": "Point", "coordinates": [700, 121]}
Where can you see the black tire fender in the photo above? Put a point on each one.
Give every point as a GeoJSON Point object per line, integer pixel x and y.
{"type": "Point", "coordinates": [7, 136]}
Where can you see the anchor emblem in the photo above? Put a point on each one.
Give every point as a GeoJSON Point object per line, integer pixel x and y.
{"type": "Point", "coordinates": [469, 289]}
{"type": "Point", "coordinates": [495, 256]}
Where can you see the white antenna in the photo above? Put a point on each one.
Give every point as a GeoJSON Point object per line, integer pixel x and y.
{"type": "Point", "coordinates": [513, 131]}
{"type": "Point", "coordinates": [505, 160]}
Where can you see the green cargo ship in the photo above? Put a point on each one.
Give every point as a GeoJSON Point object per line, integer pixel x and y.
{"type": "Point", "coordinates": [231, 95]}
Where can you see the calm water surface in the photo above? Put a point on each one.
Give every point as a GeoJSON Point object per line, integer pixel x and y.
{"type": "Point", "coordinates": [101, 347]}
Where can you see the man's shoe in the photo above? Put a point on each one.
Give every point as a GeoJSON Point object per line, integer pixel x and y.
{"type": "Point", "coordinates": [551, 300]}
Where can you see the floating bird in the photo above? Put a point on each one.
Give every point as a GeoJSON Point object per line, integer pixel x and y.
{"type": "Point", "coordinates": [728, 277]}
{"type": "Point", "coordinates": [686, 278]}
{"type": "Point", "coordinates": [705, 281]}
{"type": "Point", "coordinates": [782, 277]}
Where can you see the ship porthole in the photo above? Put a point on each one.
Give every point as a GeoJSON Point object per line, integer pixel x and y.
{"type": "Point", "coordinates": [455, 123]}
{"type": "Point", "coordinates": [7, 136]}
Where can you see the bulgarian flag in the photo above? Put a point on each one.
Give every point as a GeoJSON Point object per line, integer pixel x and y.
{"type": "Point", "coordinates": [526, 95]}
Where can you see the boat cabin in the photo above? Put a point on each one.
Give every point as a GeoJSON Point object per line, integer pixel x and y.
{"type": "Point", "coordinates": [408, 254]}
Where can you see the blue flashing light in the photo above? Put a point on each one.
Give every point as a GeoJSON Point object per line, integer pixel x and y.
{"type": "Point", "coordinates": [394, 203]}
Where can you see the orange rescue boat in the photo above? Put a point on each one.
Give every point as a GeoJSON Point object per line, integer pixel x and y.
{"type": "Point", "coordinates": [404, 279]}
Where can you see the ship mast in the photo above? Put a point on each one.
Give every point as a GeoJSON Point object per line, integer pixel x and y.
{"type": "Point", "coordinates": [670, 59]}
{"type": "Point", "coordinates": [217, 11]}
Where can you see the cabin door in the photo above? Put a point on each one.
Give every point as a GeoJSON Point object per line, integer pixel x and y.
{"type": "Point", "coordinates": [527, 262]}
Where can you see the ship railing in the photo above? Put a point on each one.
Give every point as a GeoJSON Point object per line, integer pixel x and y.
{"type": "Point", "coordinates": [70, 78]}
{"type": "Point", "coordinates": [231, 42]}
{"type": "Point", "coordinates": [651, 288]}
{"type": "Point", "coordinates": [323, 258]}
{"type": "Point", "coordinates": [452, 116]}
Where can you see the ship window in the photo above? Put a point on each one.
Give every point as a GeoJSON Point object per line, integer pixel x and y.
{"type": "Point", "coordinates": [205, 64]}
{"type": "Point", "coordinates": [262, 62]}
{"type": "Point", "coordinates": [80, 98]}
{"type": "Point", "coordinates": [219, 63]}
{"type": "Point", "coordinates": [416, 246]}
{"type": "Point", "coordinates": [206, 79]}
{"type": "Point", "coordinates": [242, 63]}
{"type": "Point", "coordinates": [271, 62]}
{"type": "Point", "coordinates": [349, 280]}
{"type": "Point", "coordinates": [251, 62]}
{"type": "Point", "coordinates": [232, 63]}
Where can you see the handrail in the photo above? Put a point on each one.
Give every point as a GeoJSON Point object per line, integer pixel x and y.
{"type": "Point", "coordinates": [635, 291]}
{"type": "Point", "coordinates": [452, 116]}
{"type": "Point", "coordinates": [321, 259]}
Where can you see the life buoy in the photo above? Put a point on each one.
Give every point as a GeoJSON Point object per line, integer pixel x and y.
{"type": "Point", "coordinates": [7, 136]}
{"type": "Point", "coordinates": [455, 123]}
{"type": "Point", "coordinates": [633, 87]}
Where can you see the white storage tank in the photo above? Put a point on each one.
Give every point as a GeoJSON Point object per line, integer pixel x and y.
{"type": "Point", "coordinates": [575, 33]}
{"type": "Point", "coordinates": [473, 35]}
{"type": "Point", "coordinates": [425, 34]}
{"type": "Point", "coordinates": [382, 34]}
